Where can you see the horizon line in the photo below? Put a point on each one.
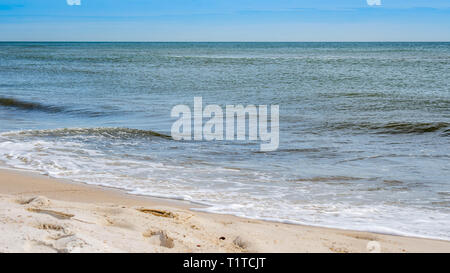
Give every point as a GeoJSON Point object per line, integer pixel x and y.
{"type": "Point", "coordinates": [82, 41]}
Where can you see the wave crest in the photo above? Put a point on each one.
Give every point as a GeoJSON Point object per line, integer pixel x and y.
{"type": "Point", "coordinates": [115, 133]}
{"type": "Point", "coordinates": [35, 106]}
{"type": "Point", "coordinates": [10, 102]}
{"type": "Point", "coordinates": [395, 127]}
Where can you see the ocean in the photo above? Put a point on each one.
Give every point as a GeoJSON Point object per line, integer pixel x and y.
{"type": "Point", "coordinates": [364, 127]}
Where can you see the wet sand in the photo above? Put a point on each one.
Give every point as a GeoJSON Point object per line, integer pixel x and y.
{"type": "Point", "coordinates": [42, 214]}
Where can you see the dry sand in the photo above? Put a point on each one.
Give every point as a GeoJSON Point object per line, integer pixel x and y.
{"type": "Point", "coordinates": [41, 214]}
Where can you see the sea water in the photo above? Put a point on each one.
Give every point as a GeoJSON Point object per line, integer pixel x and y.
{"type": "Point", "coordinates": [364, 127]}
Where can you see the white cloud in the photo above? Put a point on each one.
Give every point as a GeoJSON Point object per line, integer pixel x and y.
{"type": "Point", "coordinates": [374, 2]}
{"type": "Point", "coordinates": [74, 2]}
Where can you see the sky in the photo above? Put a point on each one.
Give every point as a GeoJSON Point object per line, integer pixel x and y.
{"type": "Point", "coordinates": [224, 20]}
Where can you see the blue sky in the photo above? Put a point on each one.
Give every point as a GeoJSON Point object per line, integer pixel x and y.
{"type": "Point", "coordinates": [224, 20]}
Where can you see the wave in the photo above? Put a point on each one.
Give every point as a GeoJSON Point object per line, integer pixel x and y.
{"type": "Point", "coordinates": [106, 132]}
{"type": "Point", "coordinates": [393, 128]}
{"type": "Point", "coordinates": [35, 106]}
{"type": "Point", "coordinates": [327, 179]}
{"type": "Point", "coordinates": [446, 133]}
{"type": "Point", "coordinates": [10, 102]}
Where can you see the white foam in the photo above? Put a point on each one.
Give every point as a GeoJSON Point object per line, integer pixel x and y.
{"type": "Point", "coordinates": [250, 194]}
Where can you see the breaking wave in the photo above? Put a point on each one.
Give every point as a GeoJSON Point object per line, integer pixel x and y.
{"type": "Point", "coordinates": [114, 133]}
{"type": "Point", "coordinates": [10, 102]}
{"type": "Point", "coordinates": [35, 106]}
{"type": "Point", "coordinates": [392, 128]}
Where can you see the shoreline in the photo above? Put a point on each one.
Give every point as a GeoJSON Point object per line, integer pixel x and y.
{"type": "Point", "coordinates": [44, 214]}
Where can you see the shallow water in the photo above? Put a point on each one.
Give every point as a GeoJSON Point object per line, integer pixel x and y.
{"type": "Point", "coordinates": [364, 127]}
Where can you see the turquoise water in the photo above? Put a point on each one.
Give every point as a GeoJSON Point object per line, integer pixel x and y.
{"type": "Point", "coordinates": [364, 127]}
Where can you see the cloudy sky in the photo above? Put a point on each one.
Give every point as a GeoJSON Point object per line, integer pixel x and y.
{"type": "Point", "coordinates": [225, 20]}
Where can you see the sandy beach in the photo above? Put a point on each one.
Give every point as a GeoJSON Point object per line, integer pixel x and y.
{"type": "Point", "coordinates": [41, 214]}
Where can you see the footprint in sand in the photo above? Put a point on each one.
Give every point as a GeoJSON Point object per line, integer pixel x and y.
{"type": "Point", "coordinates": [159, 238]}
{"type": "Point", "coordinates": [118, 222]}
{"type": "Point", "coordinates": [55, 231]}
{"type": "Point", "coordinates": [56, 214]}
{"type": "Point", "coordinates": [59, 239]}
{"type": "Point", "coordinates": [64, 244]}
{"type": "Point", "coordinates": [36, 201]}
{"type": "Point", "coordinates": [241, 243]}
{"type": "Point", "coordinates": [53, 227]}
{"type": "Point", "coordinates": [69, 244]}
{"type": "Point", "coordinates": [160, 213]}
{"type": "Point", "coordinates": [42, 201]}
